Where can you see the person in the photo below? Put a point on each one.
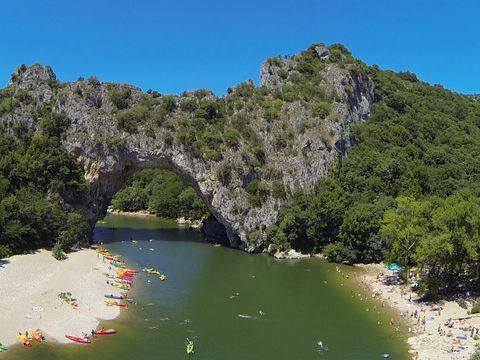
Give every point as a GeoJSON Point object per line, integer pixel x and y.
{"type": "Point", "coordinates": [93, 333]}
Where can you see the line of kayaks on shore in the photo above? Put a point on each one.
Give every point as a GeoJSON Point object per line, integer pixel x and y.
{"type": "Point", "coordinates": [28, 337]}
{"type": "Point", "coordinates": [123, 280]}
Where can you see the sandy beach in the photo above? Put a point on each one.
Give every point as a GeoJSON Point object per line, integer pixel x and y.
{"type": "Point", "coordinates": [430, 337]}
{"type": "Point", "coordinates": [29, 288]}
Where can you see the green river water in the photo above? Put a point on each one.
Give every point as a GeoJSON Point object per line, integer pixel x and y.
{"type": "Point", "coordinates": [302, 301]}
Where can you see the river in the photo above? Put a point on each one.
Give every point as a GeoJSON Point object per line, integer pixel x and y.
{"type": "Point", "coordinates": [233, 305]}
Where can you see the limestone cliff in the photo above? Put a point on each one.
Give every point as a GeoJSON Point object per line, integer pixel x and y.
{"type": "Point", "coordinates": [278, 137]}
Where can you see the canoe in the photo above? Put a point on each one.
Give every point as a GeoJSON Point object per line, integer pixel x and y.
{"type": "Point", "coordinates": [78, 339]}
{"type": "Point", "coordinates": [105, 332]}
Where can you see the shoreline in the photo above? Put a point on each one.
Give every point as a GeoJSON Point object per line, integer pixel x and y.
{"type": "Point", "coordinates": [141, 213]}
{"type": "Point", "coordinates": [194, 224]}
{"type": "Point", "coordinates": [29, 295]}
{"type": "Point", "coordinates": [428, 336]}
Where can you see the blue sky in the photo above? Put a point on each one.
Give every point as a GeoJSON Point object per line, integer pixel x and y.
{"type": "Point", "coordinates": [175, 45]}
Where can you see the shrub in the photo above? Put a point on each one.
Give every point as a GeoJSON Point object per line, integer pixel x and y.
{"type": "Point", "coordinates": [272, 109]}
{"type": "Point", "coordinates": [476, 306]}
{"type": "Point", "coordinates": [224, 174]}
{"type": "Point", "coordinates": [278, 190]}
{"type": "Point", "coordinates": [57, 251]}
{"type": "Point", "coordinates": [189, 105]}
{"type": "Point", "coordinates": [129, 120]}
{"type": "Point", "coordinates": [120, 97]}
{"type": "Point", "coordinates": [338, 252]}
{"type": "Point", "coordinates": [321, 109]}
{"type": "Point", "coordinates": [92, 80]}
{"type": "Point", "coordinates": [232, 138]}
{"type": "Point", "coordinates": [258, 192]}
{"type": "Point", "coordinates": [5, 252]}
{"type": "Point", "coordinates": [168, 104]}
{"type": "Point", "coordinates": [208, 110]}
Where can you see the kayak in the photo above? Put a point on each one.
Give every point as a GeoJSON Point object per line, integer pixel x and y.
{"type": "Point", "coordinates": [35, 335]}
{"type": "Point", "coordinates": [78, 339]}
{"type": "Point", "coordinates": [113, 258]}
{"type": "Point", "coordinates": [24, 340]}
{"type": "Point", "coordinates": [125, 274]}
{"type": "Point", "coordinates": [116, 297]}
{"type": "Point", "coordinates": [105, 332]}
{"type": "Point", "coordinates": [190, 348]}
{"type": "Point", "coordinates": [152, 271]}
{"type": "Point", "coordinates": [2, 348]}
{"type": "Point", "coordinates": [121, 286]}
{"type": "Point", "coordinates": [116, 303]}
{"type": "Point", "coordinates": [126, 282]}
{"type": "Point", "coordinates": [117, 264]}
{"type": "Point", "coordinates": [129, 278]}
{"type": "Point", "coordinates": [132, 271]}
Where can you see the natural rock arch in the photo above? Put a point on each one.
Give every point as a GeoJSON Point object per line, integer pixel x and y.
{"type": "Point", "coordinates": [109, 155]}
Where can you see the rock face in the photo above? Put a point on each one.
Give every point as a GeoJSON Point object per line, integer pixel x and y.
{"type": "Point", "coordinates": [109, 155]}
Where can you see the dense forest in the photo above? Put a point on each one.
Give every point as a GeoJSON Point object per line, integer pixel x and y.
{"type": "Point", "coordinates": [162, 193]}
{"type": "Point", "coordinates": [38, 181]}
{"type": "Point", "coordinates": [407, 191]}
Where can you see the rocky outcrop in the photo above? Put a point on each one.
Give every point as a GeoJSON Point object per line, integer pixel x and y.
{"type": "Point", "coordinates": [110, 155]}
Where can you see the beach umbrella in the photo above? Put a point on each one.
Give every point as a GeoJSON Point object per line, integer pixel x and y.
{"type": "Point", "coordinates": [394, 267]}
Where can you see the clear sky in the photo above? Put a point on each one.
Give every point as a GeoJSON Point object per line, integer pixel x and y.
{"type": "Point", "coordinates": [175, 45]}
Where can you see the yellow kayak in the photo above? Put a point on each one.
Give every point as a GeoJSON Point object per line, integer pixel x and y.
{"type": "Point", "coordinates": [190, 348]}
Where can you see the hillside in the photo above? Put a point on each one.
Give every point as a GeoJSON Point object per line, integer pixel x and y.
{"type": "Point", "coordinates": [274, 163]}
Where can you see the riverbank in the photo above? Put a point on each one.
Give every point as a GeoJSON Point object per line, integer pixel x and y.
{"type": "Point", "coordinates": [140, 213]}
{"type": "Point", "coordinates": [29, 295]}
{"type": "Point", "coordinates": [429, 336]}
{"type": "Point", "coordinates": [194, 224]}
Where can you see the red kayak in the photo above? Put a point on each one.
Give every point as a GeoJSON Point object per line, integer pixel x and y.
{"type": "Point", "coordinates": [111, 258]}
{"type": "Point", "coordinates": [78, 339]}
{"type": "Point", "coordinates": [105, 332]}
{"type": "Point", "coordinates": [126, 274]}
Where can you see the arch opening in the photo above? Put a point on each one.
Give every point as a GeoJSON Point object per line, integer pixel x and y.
{"type": "Point", "coordinates": [160, 191]}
